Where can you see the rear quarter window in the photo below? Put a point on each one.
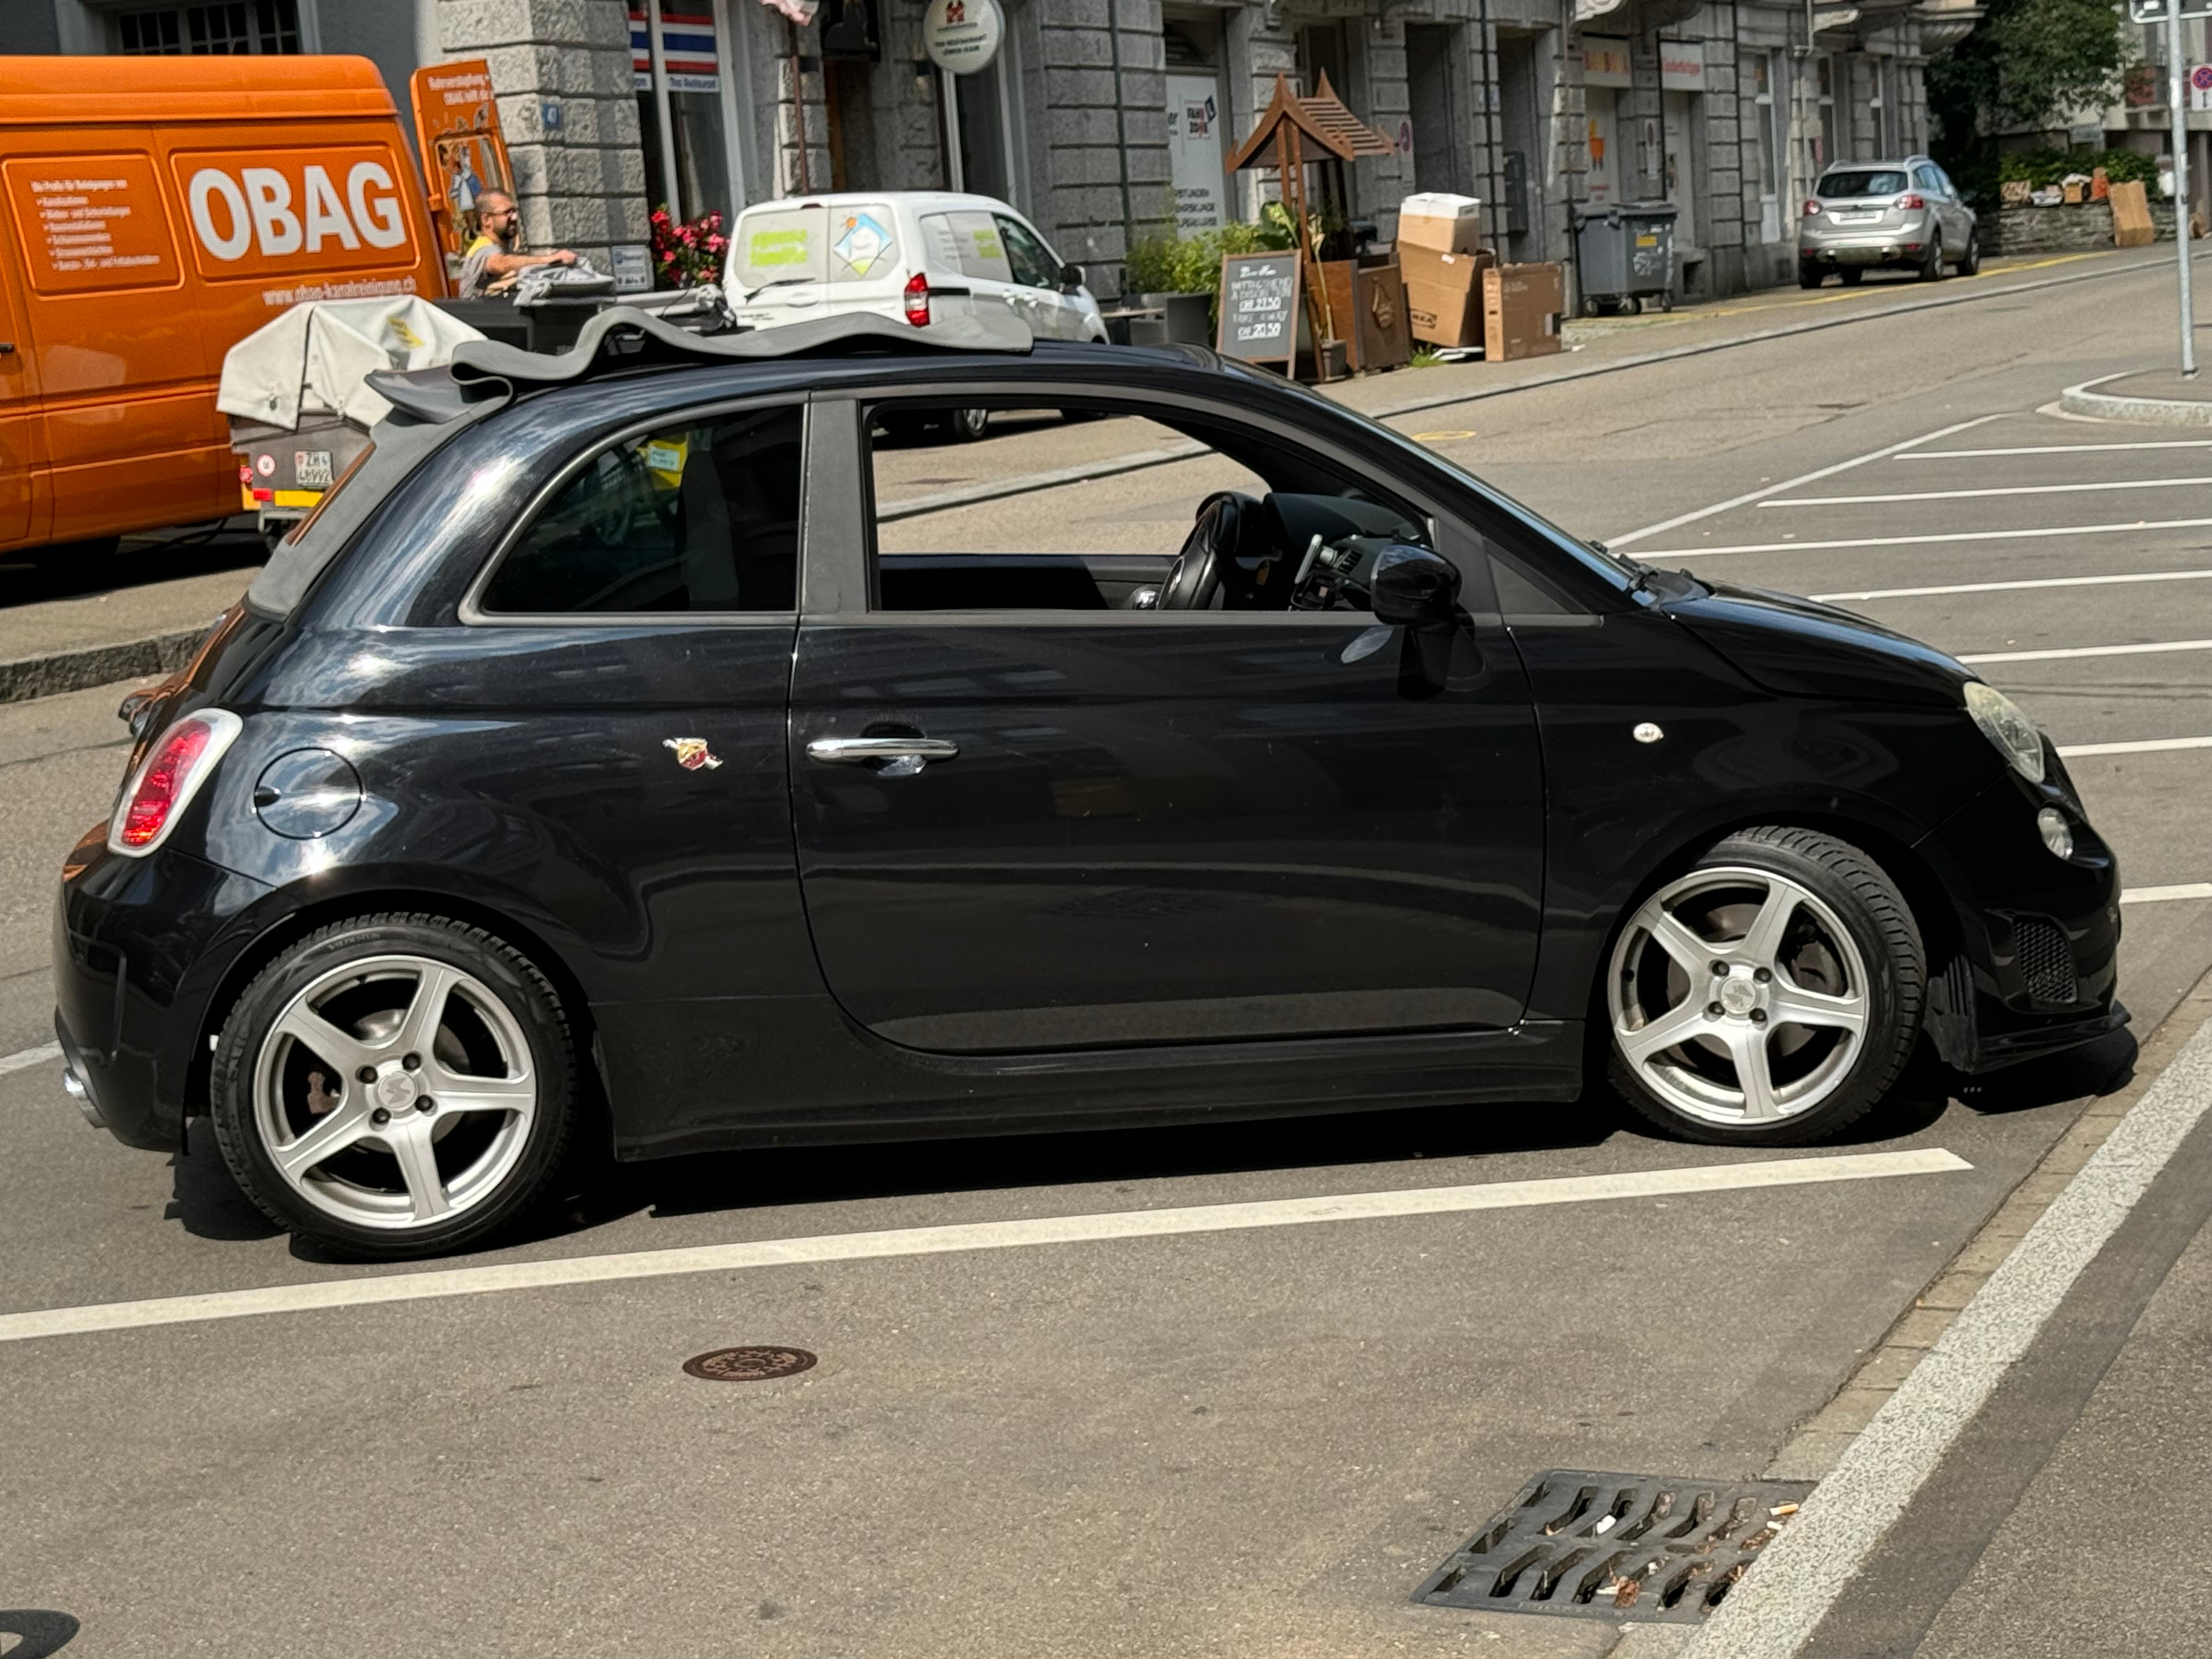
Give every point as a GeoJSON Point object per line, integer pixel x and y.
{"type": "Point", "coordinates": [968, 243]}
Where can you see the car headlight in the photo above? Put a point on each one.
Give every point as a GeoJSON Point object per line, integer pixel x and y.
{"type": "Point", "coordinates": [2005, 724]}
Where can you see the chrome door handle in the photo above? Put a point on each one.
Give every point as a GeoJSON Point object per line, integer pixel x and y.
{"type": "Point", "coordinates": [853, 750]}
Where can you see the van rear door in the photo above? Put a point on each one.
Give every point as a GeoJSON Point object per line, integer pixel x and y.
{"type": "Point", "coordinates": [22, 445]}
{"type": "Point", "coordinates": [789, 261]}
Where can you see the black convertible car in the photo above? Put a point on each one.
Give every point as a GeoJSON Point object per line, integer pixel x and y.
{"type": "Point", "coordinates": [637, 746]}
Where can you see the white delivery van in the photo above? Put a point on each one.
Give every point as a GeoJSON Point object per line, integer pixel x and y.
{"type": "Point", "coordinates": [915, 254]}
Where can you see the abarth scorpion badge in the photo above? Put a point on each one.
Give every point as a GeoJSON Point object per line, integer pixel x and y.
{"type": "Point", "coordinates": [692, 753]}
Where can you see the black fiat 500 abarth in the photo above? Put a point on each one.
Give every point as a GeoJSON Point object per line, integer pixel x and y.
{"type": "Point", "coordinates": [656, 739]}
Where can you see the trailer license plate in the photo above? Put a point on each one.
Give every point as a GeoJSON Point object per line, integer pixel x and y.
{"type": "Point", "coordinates": [311, 468]}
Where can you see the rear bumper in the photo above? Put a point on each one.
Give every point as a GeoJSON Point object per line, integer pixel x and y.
{"type": "Point", "coordinates": [139, 946]}
{"type": "Point", "coordinates": [2033, 966]}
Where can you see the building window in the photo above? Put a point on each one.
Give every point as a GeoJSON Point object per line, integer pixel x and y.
{"type": "Point", "coordinates": [243, 26]}
{"type": "Point", "coordinates": [687, 156]}
{"type": "Point", "coordinates": [1762, 146]}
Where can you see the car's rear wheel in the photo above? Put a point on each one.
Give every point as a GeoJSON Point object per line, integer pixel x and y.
{"type": "Point", "coordinates": [1970, 262]}
{"type": "Point", "coordinates": [966, 425]}
{"type": "Point", "coordinates": [1931, 266]}
{"type": "Point", "coordinates": [1809, 277]}
{"type": "Point", "coordinates": [1768, 996]}
{"type": "Point", "coordinates": [395, 1085]}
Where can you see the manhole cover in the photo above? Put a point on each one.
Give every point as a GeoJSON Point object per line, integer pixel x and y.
{"type": "Point", "coordinates": [749, 1364]}
{"type": "Point", "coordinates": [1656, 1549]}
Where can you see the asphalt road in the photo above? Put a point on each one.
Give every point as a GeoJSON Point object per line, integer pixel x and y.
{"type": "Point", "coordinates": [1254, 1440]}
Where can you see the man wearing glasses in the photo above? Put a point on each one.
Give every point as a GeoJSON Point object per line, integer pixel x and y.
{"type": "Point", "coordinates": [491, 264]}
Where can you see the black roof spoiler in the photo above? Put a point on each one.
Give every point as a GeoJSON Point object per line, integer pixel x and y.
{"type": "Point", "coordinates": [621, 339]}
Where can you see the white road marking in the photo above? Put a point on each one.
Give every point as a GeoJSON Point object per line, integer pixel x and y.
{"type": "Point", "coordinates": [972, 1236]}
{"type": "Point", "coordinates": [1774, 1611]}
{"type": "Point", "coordinates": [1760, 494]}
{"type": "Point", "coordinates": [2051, 449]}
{"type": "Point", "coordinates": [2139, 746]}
{"type": "Point", "coordinates": [2089, 651]}
{"type": "Point", "coordinates": [2133, 527]}
{"type": "Point", "coordinates": [2010, 490]}
{"type": "Point", "coordinates": [2006, 587]}
{"type": "Point", "coordinates": [2187, 890]}
{"type": "Point", "coordinates": [24, 1059]}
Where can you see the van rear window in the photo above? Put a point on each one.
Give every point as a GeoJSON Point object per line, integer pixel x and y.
{"type": "Point", "coordinates": [781, 246]}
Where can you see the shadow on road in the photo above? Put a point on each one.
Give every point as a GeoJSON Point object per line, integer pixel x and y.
{"type": "Point", "coordinates": [35, 574]}
{"type": "Point", "coordinates": [39, 1631]}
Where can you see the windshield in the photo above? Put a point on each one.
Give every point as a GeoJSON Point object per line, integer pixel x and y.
{"type": "Point", "coordinates": [1862, 181]}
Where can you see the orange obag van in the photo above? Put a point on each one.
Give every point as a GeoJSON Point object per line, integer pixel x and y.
{"type": "Point", "coordinates": [152, 212]}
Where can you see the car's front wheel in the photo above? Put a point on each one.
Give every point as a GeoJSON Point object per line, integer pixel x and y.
{"type": "Point", "coordinates": [1770, 995]}
{"type": "Point", "coordinates": [395, 1085]}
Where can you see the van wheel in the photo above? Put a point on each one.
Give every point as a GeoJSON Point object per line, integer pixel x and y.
{"type": "Point", "coordinates": [395, 1085]}
{"type": "Point", "coordinates": [1770, 995]}
{"type": "Point", "coordinates": [966, 425]}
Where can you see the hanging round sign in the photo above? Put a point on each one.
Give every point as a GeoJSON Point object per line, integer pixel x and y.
{"type": "Point", "coordinates": [2201, 77]}
{"type": "Point", "coordinates": [963, 35]}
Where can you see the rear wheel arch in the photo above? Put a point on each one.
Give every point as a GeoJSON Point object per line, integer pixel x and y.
{"type": "Point", "coordinates": [296, 925]}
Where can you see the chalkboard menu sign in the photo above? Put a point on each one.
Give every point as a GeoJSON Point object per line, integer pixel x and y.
{"type": "Point", "coordinates": [1260, 308]}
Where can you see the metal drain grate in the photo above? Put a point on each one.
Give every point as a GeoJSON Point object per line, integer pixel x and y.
{"type": "Point", "coordinates": [1656, 1549]}
{"type": "Point", "coordinates": [2046, 965]}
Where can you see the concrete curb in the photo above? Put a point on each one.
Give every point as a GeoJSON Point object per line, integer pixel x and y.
{"type": "Point", "coordinates": [2085, 399]}
{"type": "Point", "coordinates": [99, 664]}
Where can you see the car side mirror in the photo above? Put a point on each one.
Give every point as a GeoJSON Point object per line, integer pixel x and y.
{"type": "Point", "coordinates": [1071, 278]}
{"type": "Point", "coordinates": [1414, 587]}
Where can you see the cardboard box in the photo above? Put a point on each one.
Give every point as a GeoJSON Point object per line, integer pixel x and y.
{"type": "Point", "coordinates": [1523, 307]}
{"type": "Point", "coordinates": [2131, 226]}
{"type": "Point", "coordinates": [1444, 294]}
{"type": "Point", "coordinates": [1441, 222]}
{"type": "Point", "coordinates": [1367, 303]}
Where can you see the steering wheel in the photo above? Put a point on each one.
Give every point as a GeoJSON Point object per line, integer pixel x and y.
{"type": "Point", "coordinates": [1195, 578]}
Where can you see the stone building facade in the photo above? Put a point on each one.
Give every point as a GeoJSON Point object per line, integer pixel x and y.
{"type": "Point", "coordinates": [1105, 121]}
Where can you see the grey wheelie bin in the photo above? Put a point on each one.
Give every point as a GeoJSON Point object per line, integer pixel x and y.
{"type": "Point", "coordinates": [1625, 254]}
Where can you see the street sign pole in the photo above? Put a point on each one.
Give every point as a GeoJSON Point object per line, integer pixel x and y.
{"type": "Point", "coordinates": [2179, 100]}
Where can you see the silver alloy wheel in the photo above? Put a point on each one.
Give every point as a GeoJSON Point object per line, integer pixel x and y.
{"type": "Point", "coordinates": [1738, 997]}
{"type": "Point", "coordinates": [394, 1091]}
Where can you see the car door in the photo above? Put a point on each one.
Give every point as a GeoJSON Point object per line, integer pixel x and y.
{"type": "Point", "coordinates": [967, 242]}
{"type": "Point", "coordinates": [1090, 825]}
{"type": "Point", "coordinates": [1941, 211]}
{"type": "Point", "coordinates": [1037, 273]}
{"type": "Point", "coordinates": [1962, 214]}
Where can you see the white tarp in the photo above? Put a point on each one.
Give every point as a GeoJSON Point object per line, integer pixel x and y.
{"type": "Point", "coordinates": [312, 359]}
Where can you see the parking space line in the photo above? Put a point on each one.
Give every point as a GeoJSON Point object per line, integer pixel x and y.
{"type": "Point", "coordinates": [2012, 586]}
{"type": "Point", "coordinates": [424, 1285]}
{"type": "Point", "coordinates": [2008, 490]}
{"type": "Point", "coordinates": [24, 1059]}
{"type": "Point", "coordinates": [2089, 651]}
{"type": "Point", "coordinates": [2133, 528]}
{"type": "Point", "coordinates": [2187, 890]}
{"type": "Point", "coordinates": [1765, 491]}
{"type": "Point", "coordinates": [2142, 746]}
{"type": "Point", "coordinates": [2050, 449]}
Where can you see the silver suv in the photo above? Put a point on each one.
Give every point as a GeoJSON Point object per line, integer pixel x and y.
{"type": "Point", "coordinates": [1902, 214]}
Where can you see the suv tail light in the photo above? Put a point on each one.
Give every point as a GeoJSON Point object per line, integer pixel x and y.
{"type": "Point", "coordinates": [1811, 208]}
{"type": "Point", "coordinates": [155, 795]}
{"type": "Point", "coordinates": [917, 300]}
{"type": "Point", "coordinates": [1911, 201]}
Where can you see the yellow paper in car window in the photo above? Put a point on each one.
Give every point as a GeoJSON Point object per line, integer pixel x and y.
{"type": "Point", "coordinates": [664, 458]}
{"type": "Point", "coordinates": [770, 250]}
{"type": "Point", "coordinates": [988, 248]}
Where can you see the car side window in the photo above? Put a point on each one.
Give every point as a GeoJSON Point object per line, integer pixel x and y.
{"type": "Point", "coordinates": [1034, 265]}
{"type": "Point", "coordinates": [1261, 524]}
{"type": "Point", "coordinates": [1927, 179]}
{"type": "Point", "coordinates": [1944, 179]}
{"type": "Point", "coordinates": [968, 242]}
{"type": "Point", "coordinates": [698, 516]}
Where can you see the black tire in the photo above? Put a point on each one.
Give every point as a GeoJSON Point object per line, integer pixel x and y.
{"type": "Point", "coordinates": [1868, 903]}
{"type": "Point", "coordinates": [1970, 262]}
{"type": "Point", "coordinates": [1809, 277]}
{"type": "Point", "coordinates": [527, 995]}
{"type": "Point", "coordinates": [1852, 276]}
{"type": "Point", "coordinates": [1931, 266]}
{"type": "Point", "coordinates": [966, 425]}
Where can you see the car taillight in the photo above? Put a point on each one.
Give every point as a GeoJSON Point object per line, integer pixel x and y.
{"type": "Point", "coordinates": [917, 300]}
{"type": "Point", "coordinates": [1812, 209]}
{"type": "Point", "coordinates": [1910, 202]}
{"type": "Point", "coordinates": [182, 759]}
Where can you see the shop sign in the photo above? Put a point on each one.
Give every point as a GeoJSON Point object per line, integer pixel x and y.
{"type": "Point", "coordinates": [687, 46]}
{"type": "Point", "coordinates": [962, 36]}
{"type": "Point", "coordinates": [1682, 66]}
{"type": "Point", "coordinates": [1605, 63]}
{"type": "Point", "coordinates": [457, 133]}
{"type": "Point", "coordinates": [1195, 151]}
